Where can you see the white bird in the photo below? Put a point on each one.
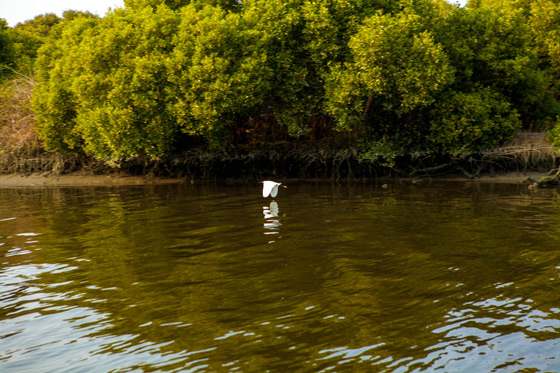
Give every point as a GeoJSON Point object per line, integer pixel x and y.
{"type": "Point", "coordinates": [270, 188]}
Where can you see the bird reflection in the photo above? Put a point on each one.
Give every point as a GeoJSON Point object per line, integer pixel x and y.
{"type": "Point", "coordinates": [271, 211]}
{"type": "Point", "coordinates": [271, 224]}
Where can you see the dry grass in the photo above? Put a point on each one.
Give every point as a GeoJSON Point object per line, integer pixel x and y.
{"type": "Point", "coordinates": [527, 145]}
{"type": "Point", "coordinates": [528, 151]}
{"type": "Point", "coordinates": [21, 150]}
{"type": "Point", "coordinates": [17, 121]}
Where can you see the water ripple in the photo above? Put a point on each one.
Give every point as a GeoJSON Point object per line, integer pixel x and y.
{"type": "Point", "coordinates": [326, 278]}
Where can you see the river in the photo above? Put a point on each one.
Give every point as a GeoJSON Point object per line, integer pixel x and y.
{"type": "Point", "coordinates": [447, 276]}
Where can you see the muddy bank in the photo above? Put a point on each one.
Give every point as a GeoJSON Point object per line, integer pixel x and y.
{"type": "Point", "coordinates": [82, 179]}
{"type": "Point", "coordinates": [505, 178]}
{"type": "Point", "coordinates": [528, 155]}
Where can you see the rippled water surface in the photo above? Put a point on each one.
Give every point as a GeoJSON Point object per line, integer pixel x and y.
{"type": "Point", "coordinates": [448, 276]}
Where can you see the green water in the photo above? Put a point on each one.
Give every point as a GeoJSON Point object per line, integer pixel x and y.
{"type": "Point", "coordinates": [448, 276]}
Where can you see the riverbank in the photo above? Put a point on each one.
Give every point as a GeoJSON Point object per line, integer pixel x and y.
{"type": "Point", "coordinates": [529, 154]}
{"type": "Point", "coordinates": [83, 179]}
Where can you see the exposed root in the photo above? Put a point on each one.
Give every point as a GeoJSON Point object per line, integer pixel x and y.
{"type": "Point", "coordinates": [295, 161]}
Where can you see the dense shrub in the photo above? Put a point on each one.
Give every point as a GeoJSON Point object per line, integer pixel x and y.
{"type": "Point", "coordinates": [396, 77]}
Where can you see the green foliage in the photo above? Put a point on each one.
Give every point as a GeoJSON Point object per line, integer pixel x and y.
{"type": "Point", "coordinates": [178, 4]}
{"type": "Point", "coordinates": [293, 90]}
{"type": "Point", "coordinates": [396, 73]}
{"type": "Point", "coordinates": [397, 60]}
{"type": "Point", "coordinates": [137, 78]}
{"type": "Point", "coordinates": [471, 121]}
{"type": "Point", "coordinates": [329, 25]}
{"type": "Point", "coordinates": [7, 55]}
{"type": "Point", "coordinates": [115, 72]}
{"type": "Point", "coordinates": [304, 40]}
{"type": "Point", "coordinates": [545, 26]}
{"type": "Point", "coordinates": [29, 36]}
{"type": "Point", "coordinates": [140, 4]}
{"type": "Point", "coordinates": [491, 44]}
{"type": "Point", "coordinates": [217, 71]}
{"type": "Point", "coordinates": [413, 75]}
{"type": "Point", "coordinates": [554, 133]}
{"type": "Point", "coordinates": [53, 101]}
{"type": "Point", "coordinates": [41, 25]}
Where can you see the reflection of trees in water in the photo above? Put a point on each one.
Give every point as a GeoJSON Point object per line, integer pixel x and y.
{"type": "Point", "coordinates": [164, 270]}
{"type": "Point", "coordinates": [396, 268]}
{"type": "Point", "coordinates": [430, 259]}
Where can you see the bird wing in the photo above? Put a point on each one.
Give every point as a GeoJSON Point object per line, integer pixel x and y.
{"type": "Point", "coordinates": [274, 191]}
{"type": "Point", "coordinates": [267, 188]}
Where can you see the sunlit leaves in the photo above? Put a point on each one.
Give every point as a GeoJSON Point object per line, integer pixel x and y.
{"type": "Point", "coordinates": [135, 82]}
{"type": "Point", "coordinates": [473, 120]}
{"type": "Point", "coordinates": [114, 71]}
{"type": "Point", "coordinates": [545, 26]}
{"type": "Point", "coordinates": [397, 59]}
{"type": "Point", "coordinates": [397, 69]}
{"type": "Point", "coordinates": [54, 101]}
{"type": "Point", "coordinates": [6, 48]}
{"type": "Point", "coordinates": [217, 70]}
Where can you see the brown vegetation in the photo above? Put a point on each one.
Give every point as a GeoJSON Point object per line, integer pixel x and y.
{"type": "Point", "coordinates": [528, 151]}
{"type": "Point", "coordinates": [17, 121]}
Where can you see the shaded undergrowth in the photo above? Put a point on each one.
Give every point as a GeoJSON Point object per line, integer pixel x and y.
{"type": "Point", "coordinates": [286, 161]}
{"type": "Point", "coordinates": [265, 154]}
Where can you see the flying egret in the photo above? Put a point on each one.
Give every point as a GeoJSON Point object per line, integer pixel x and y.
{"type": "Point", "coordinates": [270, 188]}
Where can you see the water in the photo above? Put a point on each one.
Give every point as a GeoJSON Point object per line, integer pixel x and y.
{"type": "Point", "coordinates": [449, 276]}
